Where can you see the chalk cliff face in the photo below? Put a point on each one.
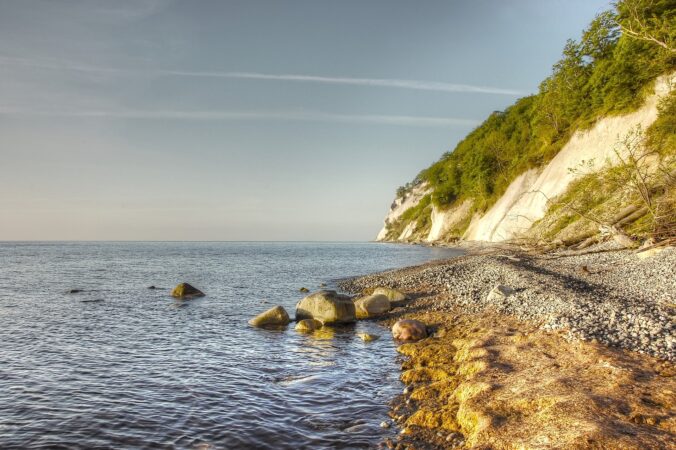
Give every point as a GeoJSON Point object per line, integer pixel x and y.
{"type": "Point", "coordinates": [444, 221]}
{"type": "Point", "coordinates": [399, 206]}
{"type": "Point", "coordinates": [525, 200]}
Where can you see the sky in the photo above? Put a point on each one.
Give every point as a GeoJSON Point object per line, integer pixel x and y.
{"type": "Point", "coordinates": [252, 119]}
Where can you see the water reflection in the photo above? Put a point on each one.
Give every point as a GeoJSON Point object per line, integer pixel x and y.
{"type": "Point", "coordinates": [144, 370]}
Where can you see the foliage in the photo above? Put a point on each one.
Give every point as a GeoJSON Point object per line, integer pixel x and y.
{"type": "Point", "coordinates": [644, 174]}
{"type": "Point", "coordinates": [647, 174]}
{"type": "Point", "coordinates": [418, 214]}
{"type": "Point", "coordinates": [661, 136]}
{"type": "Point", "coordinates": [608, 71]}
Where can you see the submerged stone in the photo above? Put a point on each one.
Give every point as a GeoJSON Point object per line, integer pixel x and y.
{"type": "Point", "coordinates": [308, 325]}
{"type": "Point", "coordinates": [366, 337]}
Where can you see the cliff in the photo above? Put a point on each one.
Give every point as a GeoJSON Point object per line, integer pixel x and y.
{"type": "Point", "coordinates": [525, 200]}
{"type": "Point", "coordinates": [597, 138]}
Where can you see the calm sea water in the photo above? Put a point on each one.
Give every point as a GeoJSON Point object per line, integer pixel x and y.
{"type": "Point", "coordinates": [122, 366]}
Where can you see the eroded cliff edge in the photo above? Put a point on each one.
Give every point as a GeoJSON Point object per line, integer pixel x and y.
{"type": "Point", "coordinates": [528, 199]}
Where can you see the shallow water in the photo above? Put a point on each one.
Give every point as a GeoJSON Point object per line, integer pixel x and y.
{"type": "Point", "coordinates": [122, 366]}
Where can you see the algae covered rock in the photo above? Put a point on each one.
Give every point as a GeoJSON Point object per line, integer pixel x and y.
{"type": "Point", "coordinates": [185, 291]}
{"type": "Point", "coordinates": [272, 317]}
{"type": "Point", "coordinates": [372, 306]}
{"type": "Point", "coordinates": [308, 325]}
{"type": "Point", "coordinates": [392, 295]}
{"type": "Point", "coordinates": [326, 306]}
{"type": "Point", "coordinates": [409, 330]}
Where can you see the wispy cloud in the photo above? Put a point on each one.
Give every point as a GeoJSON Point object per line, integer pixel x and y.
{"type": "Point", "coordinates": [421, 85]}
{"type": "Point", "coordinates": [375, 82]}
{"type": "Point", "coordinates": [310, 116]}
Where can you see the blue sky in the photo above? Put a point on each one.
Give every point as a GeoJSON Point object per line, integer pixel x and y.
{"type": "Point", "coordinates": [248, 120]}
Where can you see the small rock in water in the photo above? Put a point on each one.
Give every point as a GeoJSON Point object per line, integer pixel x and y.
{"type": "Point", "coordinates": [152, 287]}
{"type": "Point", "coordinates": [304, 289]}
{"type": "Point", "coordinates": [308, 325]}
{"type": "Point", "coordinates": [366, 337]}
{"type": "Point", "coordinates": [186, 291]}
{"type": "Point", "coordinates": [384, 424]}
{"type": "Point", "coordinates": [273, 316]}
{"type": "Point", "coordinates": [358, 428]}
{"type": "Point", "coordinates": [98, 300]}
{"type": "Point", "coordinates": [75, 291]}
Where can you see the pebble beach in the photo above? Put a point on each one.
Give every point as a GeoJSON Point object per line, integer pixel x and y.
{"type": "Point", "coordinates": [608, 295]}
{"type": "Point", "coordinates": [555, 350]}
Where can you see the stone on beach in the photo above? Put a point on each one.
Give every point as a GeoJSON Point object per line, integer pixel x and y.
{"type": "Point", "coordinates": [327, 306]}
{"type": "Point", "coordinates": [648, 253]}
{"type": "Point", "coordinates": [372, 306]}
{"type": "Point", "coordinates": [185, 291]}
{"type": "Point", "coordinates": [499, 292]}
{"type": "Point", "coordinates": [409, 330]}
{"type": "Point", "coordinates": [392, 295]}
{"type": "Point", "coordinates": [308, 325]}
{"type": "Point", "coordinates": [272, 317]}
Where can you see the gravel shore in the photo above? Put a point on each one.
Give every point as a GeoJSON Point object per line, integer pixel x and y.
{"type": "Point", "coordinates": [607, 295]}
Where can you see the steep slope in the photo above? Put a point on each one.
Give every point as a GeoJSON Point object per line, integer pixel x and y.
{"type": "Point", "coordinates": [510, 171]}
{"type": "Point", "coordinates": [526, 199]}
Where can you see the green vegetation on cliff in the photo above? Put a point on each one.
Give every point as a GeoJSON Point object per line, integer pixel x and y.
{"type": "Point", "coordinates": [608, 71]}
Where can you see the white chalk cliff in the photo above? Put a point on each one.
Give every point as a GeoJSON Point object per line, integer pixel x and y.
{"type": "Point", "coordinates": [399, 206]}
{"type": "Point", "coordinates": [525, 200]}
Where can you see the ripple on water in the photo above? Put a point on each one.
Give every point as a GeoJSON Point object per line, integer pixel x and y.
{"type": "Point", "coordinates": [123, 366]}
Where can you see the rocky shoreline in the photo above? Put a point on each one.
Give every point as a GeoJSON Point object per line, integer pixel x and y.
{"type": "Point", "coordinates": [554, 350]}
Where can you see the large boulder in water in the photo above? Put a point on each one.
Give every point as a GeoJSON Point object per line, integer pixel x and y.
{"type": "Point", "coordinates": [409, 330]}
{"type": "Point", "coordinates": [185, 291]}
{"type": "Point", "coordinates": [392, 295]}
{"type": "Point", "coordinates": [372, 306]}
{"type": "Point", "coordinates": [276, 316]}
{"type": "Point", "coordinates": [326, 306]}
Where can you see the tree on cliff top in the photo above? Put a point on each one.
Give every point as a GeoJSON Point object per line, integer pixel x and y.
{"type": "Point", "coordinates": [606, 72]}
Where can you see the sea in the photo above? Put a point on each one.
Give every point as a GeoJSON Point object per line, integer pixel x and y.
{"type": "Point", "coordinates": [91, 358]}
